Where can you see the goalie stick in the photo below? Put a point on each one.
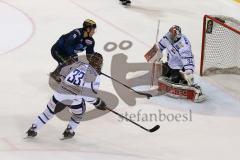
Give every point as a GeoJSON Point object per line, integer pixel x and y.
{"type": "Point", "coordinates": [149, 130]}
{"type": "Point", "coordinates": [153, 66]}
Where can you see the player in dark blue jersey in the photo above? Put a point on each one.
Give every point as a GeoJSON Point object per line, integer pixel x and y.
{"type": "Point", "coordinates": [65, 50]}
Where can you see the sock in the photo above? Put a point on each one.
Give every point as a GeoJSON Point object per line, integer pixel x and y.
{"type": "Point", "coordinates": [43, 118]}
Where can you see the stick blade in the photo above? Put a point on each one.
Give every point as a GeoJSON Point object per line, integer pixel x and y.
{"type": "Point", "coordinates": [154, 128]}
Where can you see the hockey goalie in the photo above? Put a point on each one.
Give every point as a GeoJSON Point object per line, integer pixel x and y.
{"type": "Point", "coordinates": [175, 76]}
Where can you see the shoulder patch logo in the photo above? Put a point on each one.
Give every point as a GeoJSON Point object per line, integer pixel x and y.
{"type": "Point", "coordinates": [74, 36]}
{"type": "Point", "coordinates": [88, 42]}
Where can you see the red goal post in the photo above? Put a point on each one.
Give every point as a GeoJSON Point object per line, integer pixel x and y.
{"type": "Point", "coordinates": [220, 51]}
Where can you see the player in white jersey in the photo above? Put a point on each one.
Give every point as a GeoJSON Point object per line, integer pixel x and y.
{"type": "Point", "coordinates": [180, 62]}
{"type": "Point", "coordinates": [80, 83]}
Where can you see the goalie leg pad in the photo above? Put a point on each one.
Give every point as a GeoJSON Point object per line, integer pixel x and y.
{"type": "Point", "coordinates": [199, 96]}
{"type": "Point", "coordinates": [193, 93]}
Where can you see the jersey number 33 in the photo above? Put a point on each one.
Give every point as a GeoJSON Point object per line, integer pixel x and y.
{"type": "Point", "coordinates": [75, 77]}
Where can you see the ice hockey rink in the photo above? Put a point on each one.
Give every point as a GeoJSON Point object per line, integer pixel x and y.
{"type": "Point", "coordinates": [28, 30]}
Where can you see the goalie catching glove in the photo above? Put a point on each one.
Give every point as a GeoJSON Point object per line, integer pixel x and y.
{"type": "Point", "coordinates": [100, 104]}
{"type": "Point", "coordinates": [188, 76]}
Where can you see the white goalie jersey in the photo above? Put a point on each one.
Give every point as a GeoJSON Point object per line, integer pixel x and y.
{"type": "Point", "coordinates": [80, 83]}
{"type": "Point", "coordinates": [179, 53]}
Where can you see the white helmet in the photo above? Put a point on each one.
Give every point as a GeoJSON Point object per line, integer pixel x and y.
{"type": "Point", "coordinates": [175, 32]}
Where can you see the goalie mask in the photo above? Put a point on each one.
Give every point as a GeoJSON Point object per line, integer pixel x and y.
{"type": "Point", "coordinates": [96, 61]}
{"type": "Point", "coordinates": [175, 33]}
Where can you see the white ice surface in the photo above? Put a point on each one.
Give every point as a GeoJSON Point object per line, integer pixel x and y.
{"type": "Point", "coordinates": [213, 132]}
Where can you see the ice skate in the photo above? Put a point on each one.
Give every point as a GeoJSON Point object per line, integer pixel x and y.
{"type": "Point", "coordinates": [68, 133]}
{"type": "Point", "coordinates": [31, 132]}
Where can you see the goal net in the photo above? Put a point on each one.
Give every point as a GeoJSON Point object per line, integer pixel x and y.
{"type": "Point", "coordinates": [220, 46]}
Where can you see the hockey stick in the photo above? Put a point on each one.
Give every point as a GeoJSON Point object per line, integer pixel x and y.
{"type": "Point", "coordinates": [140, 93]}
{"type": "Point", "coordinates": [157, 31]}
{"type": "Point", "coordinates": [149, 130]}
{"type": "Point", "coordinates": [153, 66]}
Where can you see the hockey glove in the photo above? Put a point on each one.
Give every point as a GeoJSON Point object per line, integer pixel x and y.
{"type": "Point", "coordinates": [188, 76]}
{"type": "Point", "coordinates": [100, 104]}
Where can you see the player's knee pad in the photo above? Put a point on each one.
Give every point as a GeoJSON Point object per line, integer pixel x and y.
{"type": "Point", "coordinates": [52, 104]}
{"type": "Point", "coordinates": [76, 118]}
{"type": "Point", "coordinates": [78, 109]}
{"type": "Point", "coordinates": [77, 112]}
{"type": "Point", "coordinates": [50, 110]}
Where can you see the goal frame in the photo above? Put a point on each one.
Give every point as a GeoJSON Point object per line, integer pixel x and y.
{"type": "Point", "coordinates": [204, 33]}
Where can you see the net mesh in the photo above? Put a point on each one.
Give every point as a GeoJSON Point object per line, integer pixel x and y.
{"type": "Point", "coordinates": [222, 47]}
